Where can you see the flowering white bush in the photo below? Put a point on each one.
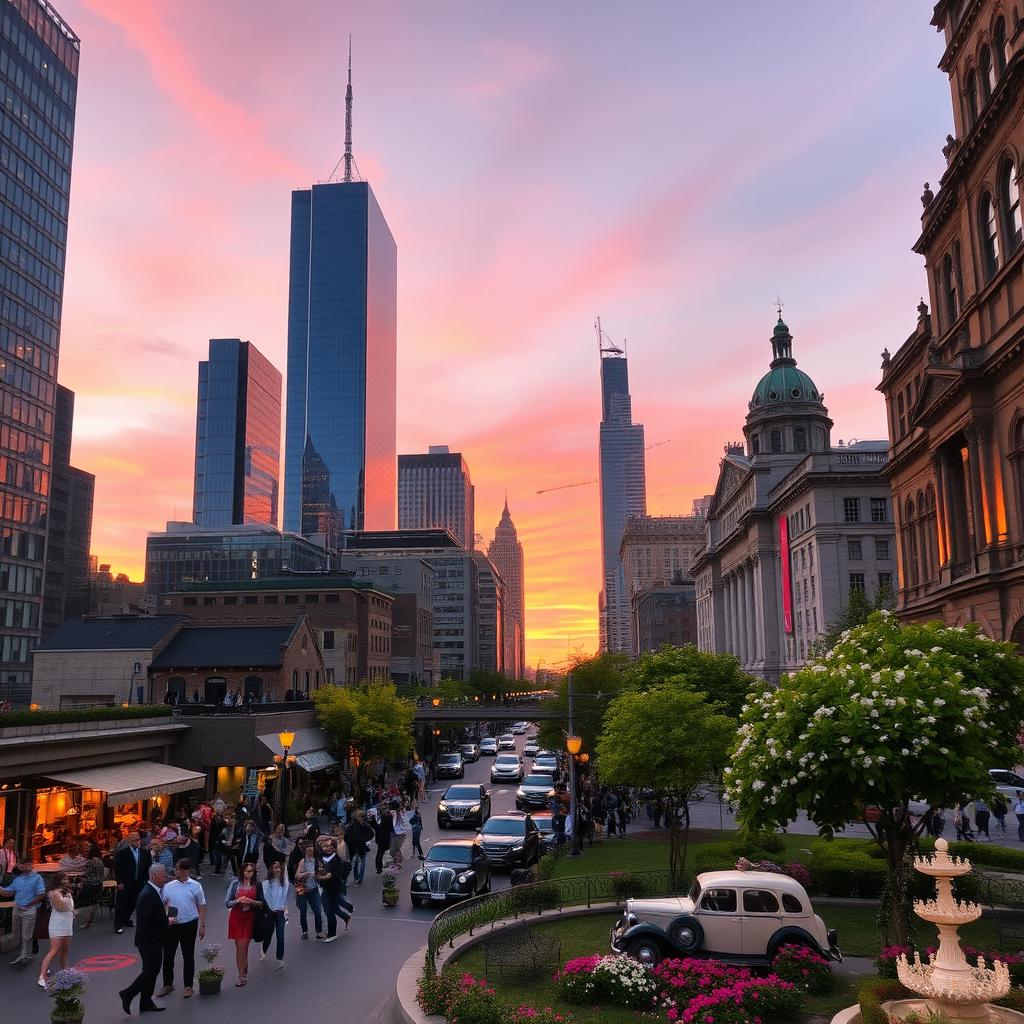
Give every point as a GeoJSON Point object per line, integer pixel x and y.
{"type": "Point", "coordinates": [611, 979]}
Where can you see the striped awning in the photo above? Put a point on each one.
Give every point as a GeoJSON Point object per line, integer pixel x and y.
{"type": "Point", "coordinates": [136, 780]}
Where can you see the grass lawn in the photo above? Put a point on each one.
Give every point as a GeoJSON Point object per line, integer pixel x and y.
{"type": "Point", "coordinates": [858, 933]}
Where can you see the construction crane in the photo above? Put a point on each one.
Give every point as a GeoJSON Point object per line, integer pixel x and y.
{"type": "Point", "coordinates": [586, 483]}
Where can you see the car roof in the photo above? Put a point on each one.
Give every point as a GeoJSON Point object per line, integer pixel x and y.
{"type": "Point", "coordinates": [750, 879]}
{"type": "Point", "coordinates": [510, 814]}
{"type": "Point", "coordinates": [442, 841]}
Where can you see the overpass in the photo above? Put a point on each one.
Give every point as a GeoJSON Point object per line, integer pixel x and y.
{"type": "Point", "coordinates": [478, 711]}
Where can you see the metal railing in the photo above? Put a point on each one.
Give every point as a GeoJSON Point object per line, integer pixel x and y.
{"type": "Point", "coordinates": [536, 897]}
{"type": "Point", "coordinates": [274, 707]}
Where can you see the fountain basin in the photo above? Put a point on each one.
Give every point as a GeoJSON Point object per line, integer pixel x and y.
{"type": "Point", "coordinates": [984, 1013]}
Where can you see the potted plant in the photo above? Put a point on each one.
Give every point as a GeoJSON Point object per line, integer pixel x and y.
{"type": "Point", "coordinates": [66, 988]}
{"type": "Point", "coordinates": [211, 975]}
{"type": "Point", "coordinates": [389, 892]}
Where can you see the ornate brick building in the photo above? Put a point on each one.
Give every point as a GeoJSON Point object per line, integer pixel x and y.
{"type": "Point", "coordinates": [955, 389]}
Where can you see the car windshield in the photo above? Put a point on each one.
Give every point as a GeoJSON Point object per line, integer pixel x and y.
{"type": "Point", "coordinates": [462, 793]}
{"type": "Point", "coordinates": [466, 748]}
{"type": "Point", "coordinates": [1004, 778]}
{"type": "Point", "coordinates": [695, 892]}
{"type": "Point", "coordinates": [537, 780]}
{"type": "Point", "coordinates": [505, 827]}
{"type": "Point", "coordinates": [508, 736]}
{"type": "Point", "coordinates": [508, 759]}
{"type": "Point", "coordinates": [452, 854]}
{"type": "Point", "coordinates": [451, 758]}
{"type": "Point", "coordinates": [543, 822]}
{"type": "Point", "coordinates": [545, 759]}
{"type": "Point", "coordinates": [488, 741]}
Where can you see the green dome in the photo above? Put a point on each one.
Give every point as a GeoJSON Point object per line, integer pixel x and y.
{"type": "Point", "coordinates": [784, 384]}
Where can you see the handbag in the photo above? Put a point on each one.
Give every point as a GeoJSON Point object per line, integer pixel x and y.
{"type": "Point", "coordinates": [42, 925]}
{"type": "Point", "coordinates": [263, 922]}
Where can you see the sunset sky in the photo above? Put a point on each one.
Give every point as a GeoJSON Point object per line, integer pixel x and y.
{"type": "Point", "coordinates": [671, 167]}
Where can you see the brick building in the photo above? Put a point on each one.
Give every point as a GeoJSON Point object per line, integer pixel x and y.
{"type": "Point", "coordinates": [954, 390]}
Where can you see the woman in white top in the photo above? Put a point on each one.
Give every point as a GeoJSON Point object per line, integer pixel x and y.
{"type": "Point", "coordinates": [275, 891]}
{"type": "Point", "coordinates": [62, 925]}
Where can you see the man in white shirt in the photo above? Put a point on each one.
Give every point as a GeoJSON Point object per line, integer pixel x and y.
{"type": "Point", "coordinates": [186, 917]}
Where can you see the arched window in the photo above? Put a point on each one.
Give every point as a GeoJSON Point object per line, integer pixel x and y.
{"type": "Point", "coordinates": [252, 688]}
{"type": "Point", "coordinates": [949, 290]}
{"type": "Point", "coordinates": [971, 99]}
{"type": "Point", "coordinates": [999, 45]}
{"type": "Point", "coordinates": [987, 71]}
{"type": "Point", "coordinates": [176, 689]}
{"type": "Point", "coordinates": [776, 440]}
{"type": "Point", "coordinates": [1009, 199]}
{"type": "Point", "coordinates": [215, 690]}
{"type": "Point", "coordinates": [989, 235]}
{"type": "Point", "coordinates": [799, 439]}
{"type": "Point", "coordinates": [909, 545]}
{"type": "Point", "coordinates": [931, 522]}
{"type": "Point", "coordinates": [755, 444]}
{"type": "Point", "coordinates": [295, 679]}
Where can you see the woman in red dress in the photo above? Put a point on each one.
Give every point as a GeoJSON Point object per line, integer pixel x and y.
{"type": "Point", "coordinates": [244, 900]}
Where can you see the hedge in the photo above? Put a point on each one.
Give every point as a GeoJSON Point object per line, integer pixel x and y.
{"type": "Point", "coordinates": [839, 869]}
{"type": "Point", "coordinates": [47, 716]}
{"type": "Point", "coordinates": [989, 854]}
{"type": "Point", "coordinates": [723, 854]}
{"type": "Point", "coordinates": [875, 991]}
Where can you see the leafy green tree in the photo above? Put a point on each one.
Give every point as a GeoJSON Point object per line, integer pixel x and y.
{"type": "Point", "coordinates": [859, 608]}
{"type": "Point", "coordinates": [595, 682]}
{"type": "Point", "coordinates": [669, 738]}
{"type": "Point", "coordinates": [366, 722]}
{"type": "Point", "coordinates": [893, 713]}
{"type": "Point", "coordinates": [718, 676]}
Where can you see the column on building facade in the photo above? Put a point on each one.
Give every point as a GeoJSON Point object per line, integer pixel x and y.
{"type": "Point", "coordinates": [991, 472]}
{"type": "Point", "coordinates": [734, 616]}
{"type": "Point", "coordinates": [726, 626]}
{"type": "Point", "coordinates": [941, 509]}
{"type": "Point", "coordinates": [748, 581]}
{"type": "Point", "coordinates": [975, 476]}
{"type": "Point", "coordinates": [759, 629]}
{"type": "Point", "coordinates": [741, 619]}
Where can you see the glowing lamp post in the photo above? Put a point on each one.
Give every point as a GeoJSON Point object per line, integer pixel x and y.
{"type": "Point", "coordinates": [286, 738]}
{"type": "Point", "coordinates": [574, 744]}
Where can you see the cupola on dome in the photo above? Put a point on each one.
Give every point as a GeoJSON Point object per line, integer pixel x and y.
{"type": "Point", "coordinates": [784, 382]}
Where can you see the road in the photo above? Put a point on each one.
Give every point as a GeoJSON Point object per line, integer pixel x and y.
{"type": "Point", "coordinates": [354, 976]}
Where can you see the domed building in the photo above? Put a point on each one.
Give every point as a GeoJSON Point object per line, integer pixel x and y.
{"type": "Point", "coordinates": [795, 524]}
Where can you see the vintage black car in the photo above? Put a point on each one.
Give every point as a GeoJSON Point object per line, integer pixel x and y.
{"type": "Point", "coordinates": [450, 766]}
{"type": "Point", "coordinates": [511, 841]}
{"type": "Point", "coordinates": [455, 869]}
{"type": "Point", "coordinates": [464, 804]}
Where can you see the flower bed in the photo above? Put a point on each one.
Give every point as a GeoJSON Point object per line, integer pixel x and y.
{"type": "Point", "coordinates": [463, 999]}
{"type": "Point", "coordinates": [620, 980]}
{"type": "Point", "coordinates": [809, 971]}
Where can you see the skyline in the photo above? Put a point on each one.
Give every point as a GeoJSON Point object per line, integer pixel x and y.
{"type": "Point", "coordinates": [538, 168]}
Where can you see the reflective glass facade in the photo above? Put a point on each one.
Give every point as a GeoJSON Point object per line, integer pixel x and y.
{"type": "Point", "coordinates": [238, 432]}
{"type": "Point", "coordinates": [342, 322]}
{"type": "Point", "coordinates": [38, 86]}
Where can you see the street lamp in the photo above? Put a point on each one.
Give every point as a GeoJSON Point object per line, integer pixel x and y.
{"type": "Point", "coordinates": [436, 701]}
{"type": "Point", "coordinates": [573, 744]}
{"type": "Point", "coordinates": [286, 738]}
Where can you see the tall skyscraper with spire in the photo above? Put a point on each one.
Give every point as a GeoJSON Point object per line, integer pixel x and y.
{"type": "Point", "coordinates": [506, 553]}
{"type": "Point", "coordinates": [623, 490]}
{"type": "Point", "coordinates": [340, 454]}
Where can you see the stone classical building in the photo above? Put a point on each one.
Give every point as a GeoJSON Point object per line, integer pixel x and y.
{"type": "Point", "coordinates": [665, 614]}
{"type": "Point", "coordinates": [794, 526]}
{"type": "Point", "coordinates": [955, 389]}
{"type": "Point", "coordinates": [506, 553]}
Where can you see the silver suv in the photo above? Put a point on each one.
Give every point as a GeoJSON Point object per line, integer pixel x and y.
{"type": "Point", "coordinates": [507, 768]}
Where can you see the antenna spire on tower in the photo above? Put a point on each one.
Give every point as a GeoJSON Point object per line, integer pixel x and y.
{"type": "Point", "coordinates": [348, 116]}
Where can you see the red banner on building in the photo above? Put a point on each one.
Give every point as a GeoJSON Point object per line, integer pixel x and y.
{"type": "Point", "coordinates": [787, 589]}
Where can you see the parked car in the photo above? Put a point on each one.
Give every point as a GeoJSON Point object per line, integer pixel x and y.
{"type": "Point", "coordinates": [450, 766]}
{"type": "Point", "coordinates": [542, 819]}
{"type": "Point", "coordinates": [740, 917]}
{"type": "Point", "coordinates": [519, 728]}
{"type": "Point", "coordinates": [488, 745]}
{"type": "Point", "coordinates": [511, 840]}
{"type": "Point", "coordinates": [506, 741]}
{"type": "Point", "coordinates": [1007, 782]}
{"type": "Point", "coordinates": [455, 869]}
{"type": "Point", "coordinates": [470, 752]}
{"type": "Point", "coordinates": [507, 768]}
{"type": "Point", "coordinates": [534, 791]}
{"type": "Point", "coordinates": [464, 805]}
{"type": "Point", "coordinates": [530, 748]}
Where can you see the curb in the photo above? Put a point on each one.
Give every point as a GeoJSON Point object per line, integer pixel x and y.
{"type": "Point", "coordinates": [408, 1010]}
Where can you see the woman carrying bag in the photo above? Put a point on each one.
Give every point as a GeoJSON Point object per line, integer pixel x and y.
{"type": "Point", "coordinates": [245, 922]}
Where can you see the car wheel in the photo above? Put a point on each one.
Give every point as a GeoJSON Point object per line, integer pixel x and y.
{"type": "Point", "coordinates": [687, 934]}
{"type": "Point", "coordinates": [646, 950]}
{"type": "Point", "coordinates": [416, 902]}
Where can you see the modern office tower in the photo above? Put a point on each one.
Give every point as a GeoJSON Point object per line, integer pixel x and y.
{"type": "Point", "coordinates": [342, 322]}
{"type": "Point", "coordinates": [39, 82]}
{"type": "Point", "coordinates": [506, 553]}
{"type": "Point", "coordinates": [238, 436]}
{"type": "Point", "coordinates": [490, 640]}
{"type": "Point", "coordinates": [623, 490]}
{"type": "Point", "coordinates": [435, 492]}
{"type": "Point", "coordinates": [66, 593]}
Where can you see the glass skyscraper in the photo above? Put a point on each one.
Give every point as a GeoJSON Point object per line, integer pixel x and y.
{"type": "Point", "coordinates": [340, 470]}
{"type": "Point", "coordinates": [38, 87]}
{"type": "Point", "coordinates": [238, 436]}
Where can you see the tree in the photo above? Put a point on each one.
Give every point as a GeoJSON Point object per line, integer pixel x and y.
{"type": "Point", "coordinates": [366, 722]}
{"type": "Point", "coordinates": [595, 682]}
{"type": "Point", "coordinates": [892, 713]}
{"type": "Point", "coordinates": [857, 611]}
{"type": "Point", "coordinates": [669, 738]}
{"type": "Point", "coordinates": [718, 676]}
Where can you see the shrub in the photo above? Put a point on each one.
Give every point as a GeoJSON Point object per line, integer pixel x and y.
{"type": "Point", "coordinates": [724, 854]}
{"type": "Point", "coordinates": [1013, 1000]}
{"type": "Point", "coordinates": [798, 873]}
{"type": "Point", "coordinates": [46, 716]}
{"type": "Point", "coordinates": [762, 839]}
{"type": "Point", "coordinates": [625, 884]}
{"type": "Point", "coordinates": [806, 969]}
{"type": "Point", "coordinates": [535, 896]}
{"type": "Point", "coordinates": [872, 993]}
{"type": "Point", "coordinates": [683, 980]}
{"type": "Point", "coordinates": [989, 854]}
{"type": "Point", "coordinates": [773, 998]}
{"type": "Point", "coordinates": [434, 990]}
{"type": "Point", "coordinates": [747, 1001]}
{"type": "Point", "coordinates": [473, 1002]}
{"type": "Point", "coordinates": [625, 982]}
{"type": "Point", "coordinates": [545, 867]}
{"type": "Point", "coordinates": [838, 870]}
{"type": "Point", "coordinates": [528, 1015]}
{"type": "Point", "coordinates": [574, 978]}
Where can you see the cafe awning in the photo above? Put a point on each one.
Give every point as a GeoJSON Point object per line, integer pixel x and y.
{"type": "Point", "coordinates": [305, 741]}
{"type": "Point", "coordinates": [316, 761]}
{"type": "Point", "coordinates": [136, 780]}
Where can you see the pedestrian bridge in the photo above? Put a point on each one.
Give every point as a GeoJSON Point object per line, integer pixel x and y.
{"type": "Point", "coordinates": [461, 711]}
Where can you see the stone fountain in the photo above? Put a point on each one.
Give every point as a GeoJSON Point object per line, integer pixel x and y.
{"type": "Point", "coordinates": [950, 985]}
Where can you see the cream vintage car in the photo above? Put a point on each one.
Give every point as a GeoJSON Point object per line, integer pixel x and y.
{"type": "Point", "coordinates": [740, 917]}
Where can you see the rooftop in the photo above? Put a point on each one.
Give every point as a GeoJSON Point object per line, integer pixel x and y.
{"type": "Point", "coordinates": [301, 581]}
{"type": "Point", "coordinates": [117, 633]}
{"type": "Point", "coordinates": [226, 646]}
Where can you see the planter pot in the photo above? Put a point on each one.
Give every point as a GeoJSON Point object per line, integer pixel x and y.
{"type": "Point", "coordinates": [390, 897]}
{"type": "Point", "coordinates": [209, 987]}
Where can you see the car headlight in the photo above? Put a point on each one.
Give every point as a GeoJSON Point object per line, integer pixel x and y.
{"type": "Point", "coordinates": [518, 847]}
{"type": "Point", "coordinates": [463, 879]}
{"type": "Point", "coordinates": [474, 809]}
{"type": "Point", "coordinates": [419, 876]}
{"type": "Point", "coordinates": [521, 793]}
{"type": "Point", "coordinates": [442, 806]}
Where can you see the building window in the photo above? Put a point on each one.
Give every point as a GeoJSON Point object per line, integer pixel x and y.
{"type": "Point", "coordinates": [270, 599]}
{"type": "Point", "coordinates": [989, 235]}
{"type": "Point", "coordinates": [856, 582]}
{"type": "Point", "coordinates": [312, 598]}
{"type": "Point", "coordinates": [1009, 197]}
{"type": "Point", "coordinates": [776, 440]}
{"type": "Point", "coordinates": [332, 598]}
{"type": "Point", "coordinates": [987, 71]}
{"type": "Point", "coordinates": [291, 598]}
{"type": "Point", "coordinates": [901, 419]}
{"type": "Point", "coordinates": [814, 589]}
{"type": "Point", "coordinates": [190, 602]}
{"type": "Point", "coordinates": [231, 599]}
{"type": "Point", "coordinates": [853, 550]}
{"type": "Point", "coordinates": [879, 510]}
{"type": "Point", "coordinates": [799, 439]}
{"type": "Point", "coordinates": [851, 510]}
{"type": "Point", "coordinates": [328, 639]}
{"type": "Point", "coordinates": [999, 45]}
{"type": "Point", "coordinates": [885, 581]}
{"type": "Point", "coordinates": [971, 98]}
{"type": "Point", "coordinates": [882, 548]}
{"type": "Point", "coordinates": [950, 292]}
{"type": "Point", "coordinates": [251, 599]}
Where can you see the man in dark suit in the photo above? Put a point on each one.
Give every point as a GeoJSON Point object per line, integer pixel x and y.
{"type": "Point", "coordinates": [150, 938]}
{"type": "Point", "coordinates": [252, 844]}
{"type": "Point", "coordinates": [131, 869]}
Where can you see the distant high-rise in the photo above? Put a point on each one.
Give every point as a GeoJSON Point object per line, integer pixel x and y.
{"type": "Point", "coordinates": [238, 437]}
{"type": "Point", "coordinates": [435, 491]}
{"type": "Point", "coordinates": [342, 324]}
{"type": "Point", "coordinates": [70, 525]}
{"type": "Point", "coordinates": [506, 553]}
{"type": "Point", "coordinates": [623, 491]}
{"type": "Point", "coordinates": [39, 79]}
